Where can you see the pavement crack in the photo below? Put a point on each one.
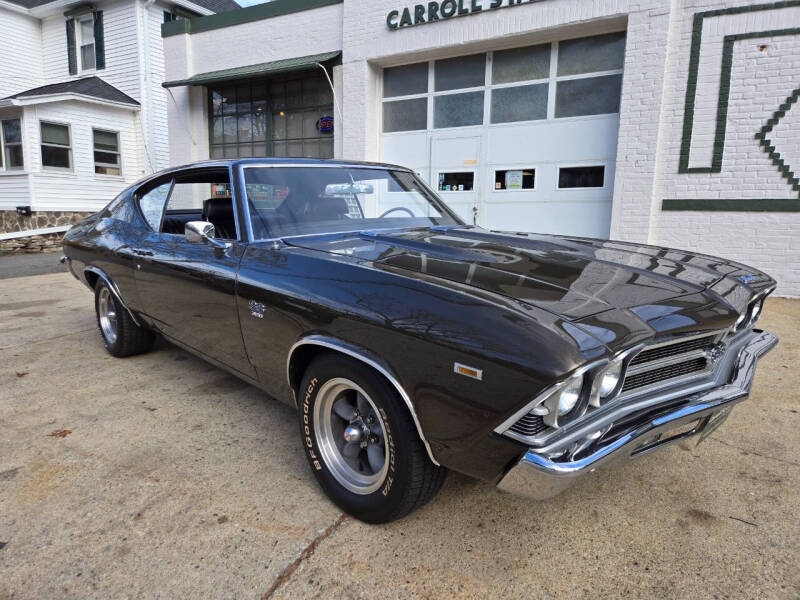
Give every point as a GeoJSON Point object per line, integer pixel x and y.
{"type": "Point", "coordinates": [307, 552]}
{"type": "Point", "coordinates": [775, 458]}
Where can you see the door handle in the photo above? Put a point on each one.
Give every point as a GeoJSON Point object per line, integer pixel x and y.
{"type": "Point", "coordinates": [143, 253]}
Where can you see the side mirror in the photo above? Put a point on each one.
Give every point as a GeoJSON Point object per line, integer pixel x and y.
{"type": "Point", "coordinates": [203, 231]}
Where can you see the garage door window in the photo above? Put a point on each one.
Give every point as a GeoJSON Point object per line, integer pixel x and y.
{"type": "Point", "coordinates": [456, 181]}
{"type": "Point", "coordinates": [581, 177]}
{"type": "Point", "coordinates": [570, 78]}
{"type": "Point", "coordinates": [589, 78]}
{"type": "Point", "coordinates": [515, 179]}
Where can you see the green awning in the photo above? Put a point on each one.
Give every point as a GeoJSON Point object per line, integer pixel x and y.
{"type": "Point", "coordinates": [299, 63]}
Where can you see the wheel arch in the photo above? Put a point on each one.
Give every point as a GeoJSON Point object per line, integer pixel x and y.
{"type": "Point", "coordinates": [306, 349]}
{"type": "Point", "coordinates": [91, 274]}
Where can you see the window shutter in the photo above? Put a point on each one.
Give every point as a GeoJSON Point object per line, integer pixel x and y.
{"type": "Point", "coordinates": [99, 42]}
{"type": "Point", "coordinates": [72, 57]}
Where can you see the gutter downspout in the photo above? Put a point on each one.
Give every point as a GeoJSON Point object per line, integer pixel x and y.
{"type": "Point", "coordinates": [145, 76]}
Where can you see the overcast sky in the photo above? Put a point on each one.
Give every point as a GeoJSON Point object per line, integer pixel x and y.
{"type": "Point", "coordinates": [250, 2]}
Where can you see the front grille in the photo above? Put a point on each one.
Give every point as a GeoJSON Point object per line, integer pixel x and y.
{"type": "Point", "coordinates": [529, 425]}
{"type": "Point", "coordinates": [660, 352]}
{"type": "Point", "coordinates": [663, 373]}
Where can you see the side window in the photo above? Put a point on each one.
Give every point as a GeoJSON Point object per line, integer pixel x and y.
{"type": "Point", "coordinates": [152, 204]}
{"type": "Point", "coordinates": [201, 196]}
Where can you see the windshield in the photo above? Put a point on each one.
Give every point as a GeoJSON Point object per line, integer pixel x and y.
{"type": "Point", "coordinates": [286, 201]}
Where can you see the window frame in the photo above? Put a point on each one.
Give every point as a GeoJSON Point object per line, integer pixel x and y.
{"type": "Point", "coordinates": [80, 42]}
{"type": "Point", "coordinates": [488, 87]}
{"type": "Point", "coordinates": [118, 153]}
{"type": "Point", "coordinates": [585, 164]}
{"type": "Point", "coordinates": [70, 156]}
{"type": "Point", "coordinates": [475, 181]}
{"type": "Point", "coordinates": [495, 168]}
{"type": "Point", "coordinates": [4, 144]}
{"type": "Point", "coordinates": [265, 147]}
{"type": "Point", "coordinates": [172, 179]}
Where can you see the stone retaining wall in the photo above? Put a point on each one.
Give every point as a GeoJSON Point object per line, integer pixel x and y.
{"type": "Point", "coordinates": [35, 243]}
{"type": "Point", "coordinates": [11, 221]}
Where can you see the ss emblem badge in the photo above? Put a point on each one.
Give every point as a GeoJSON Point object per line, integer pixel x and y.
{"type": "Point", "coordinates": [257, 309]}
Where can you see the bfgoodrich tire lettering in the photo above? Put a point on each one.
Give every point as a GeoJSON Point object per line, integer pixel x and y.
{"type": "Point", "coordinates": [405, 480]}
{"type": "Point", "coordinates": [121, 336]}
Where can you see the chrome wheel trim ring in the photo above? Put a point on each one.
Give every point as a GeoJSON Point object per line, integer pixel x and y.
{"type": "Point", "coordinates": [329, 431]}
{"type": "Point", "coordinates": [107, 315]}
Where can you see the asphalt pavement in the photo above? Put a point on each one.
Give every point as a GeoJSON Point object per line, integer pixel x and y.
{"type": "Point", "coordinates": [23, 265]}
{"type": "Point", "coordinates": [161, 476]}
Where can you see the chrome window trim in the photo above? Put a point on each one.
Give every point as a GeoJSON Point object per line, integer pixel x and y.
{"type": "Point", "coordinates": [361, 355]}
{"type": "Point", "coordinates": [246, 202]}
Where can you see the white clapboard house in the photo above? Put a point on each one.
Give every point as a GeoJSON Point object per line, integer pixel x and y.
{"type": "Point", "coordinates": [82, 109]}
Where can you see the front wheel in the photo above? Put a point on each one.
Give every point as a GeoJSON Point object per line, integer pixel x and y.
{"type": "Point", "coordinates": [361, 443]}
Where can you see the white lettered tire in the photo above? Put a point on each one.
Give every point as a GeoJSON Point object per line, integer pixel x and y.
{"type": "Point", "coordinates": [361, 442]}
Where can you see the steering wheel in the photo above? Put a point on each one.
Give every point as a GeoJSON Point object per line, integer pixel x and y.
{"type": "Point", "coordinates": [396, 208]}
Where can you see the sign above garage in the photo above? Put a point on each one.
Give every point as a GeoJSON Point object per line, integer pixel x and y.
{"type": "Point", "coordinates": [446, 9]}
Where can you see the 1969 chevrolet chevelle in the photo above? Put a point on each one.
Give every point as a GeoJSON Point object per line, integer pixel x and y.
{"type": "Point", "coordinates": [411, 343]}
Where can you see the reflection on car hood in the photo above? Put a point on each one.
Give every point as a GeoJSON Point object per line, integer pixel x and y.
{"type": "Point", "coordinates": [571, 277]}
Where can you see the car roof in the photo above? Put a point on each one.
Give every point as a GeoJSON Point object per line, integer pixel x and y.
{"type": "Point", "coordinates": [273, 162]}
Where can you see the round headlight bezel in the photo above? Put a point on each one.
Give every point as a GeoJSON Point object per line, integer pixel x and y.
{"type": "Point", "coordinates": [567, 402]}
{"type": "Point", "coordinates": [569, 396]}
{"type": "Point", "coordinates": [609, 379]}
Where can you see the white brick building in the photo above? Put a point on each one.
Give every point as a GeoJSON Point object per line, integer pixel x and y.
{"type": "Point", "coordinates": [667, 123]}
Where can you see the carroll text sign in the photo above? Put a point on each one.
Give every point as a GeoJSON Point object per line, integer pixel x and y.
{"type": "Point", "coordinates": [445, 9]}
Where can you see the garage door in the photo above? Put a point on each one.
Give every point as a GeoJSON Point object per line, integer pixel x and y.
{"type": "Point", "coordinates": [522, 139]}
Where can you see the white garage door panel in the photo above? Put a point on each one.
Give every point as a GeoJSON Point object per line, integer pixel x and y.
{"type": "Point", "coordinates": [581, 218]}
{"type": "Point", "coordinates": [409, 150]}
{"type": "Point", "coordinates": [561, 140]}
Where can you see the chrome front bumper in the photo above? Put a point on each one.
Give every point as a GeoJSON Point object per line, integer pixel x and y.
{"type": "Point", "coordinates": [537, 476]}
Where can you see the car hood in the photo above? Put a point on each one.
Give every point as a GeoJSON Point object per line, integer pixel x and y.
{"type": "Point", "coordinates": [573, 278]}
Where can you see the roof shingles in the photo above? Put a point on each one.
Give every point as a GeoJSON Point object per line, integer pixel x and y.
{"type": "Point", "coordinates": [88, 86]}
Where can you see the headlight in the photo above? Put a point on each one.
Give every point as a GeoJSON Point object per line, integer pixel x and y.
{"type": "Point", "coordinates": [565, 400]}
{"type": "Point", "coordinates": [569, 396]}
{"type": "Point", "coordinates": [610, 378]}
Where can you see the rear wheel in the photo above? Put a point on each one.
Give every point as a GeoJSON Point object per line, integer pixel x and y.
{"type": "Point", "coordinates": [361, 443]}
{"type": "Point", "coordinates": [121, 336]}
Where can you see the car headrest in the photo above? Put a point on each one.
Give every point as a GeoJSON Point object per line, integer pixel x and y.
{"type": "Point", "coordinates": [218, 209]}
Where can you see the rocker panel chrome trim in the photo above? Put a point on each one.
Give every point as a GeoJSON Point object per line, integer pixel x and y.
{"type": "Point", "coordinates": [363, 356]}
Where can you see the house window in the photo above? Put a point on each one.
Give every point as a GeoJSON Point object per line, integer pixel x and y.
{"type": "Point", "coordinates": [86, 43]}
{"type": "Point", "coordinates": [56, 149]}
{"type": "Point", "coordinates": [106, 152]}
{"type": "Point", "coordinates": [11, 141]}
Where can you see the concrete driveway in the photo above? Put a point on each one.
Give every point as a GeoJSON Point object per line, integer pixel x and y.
{"type": "Point", "coordinates": [160, 476]}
